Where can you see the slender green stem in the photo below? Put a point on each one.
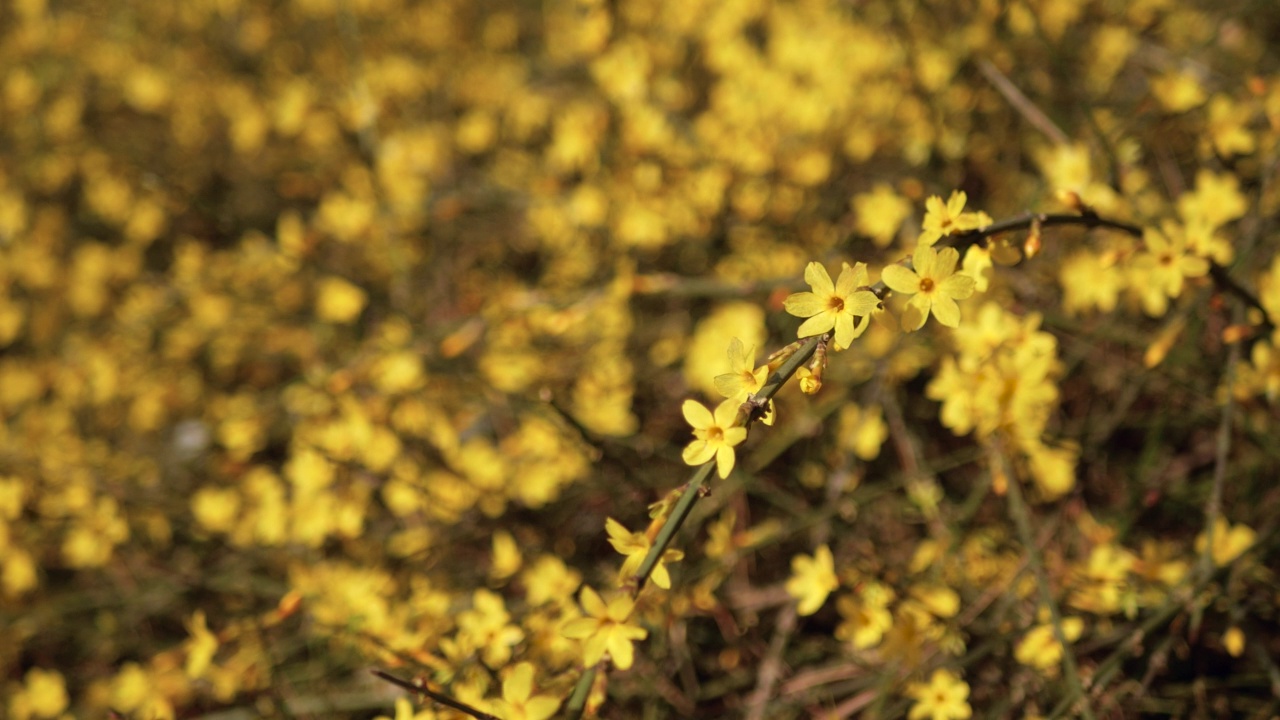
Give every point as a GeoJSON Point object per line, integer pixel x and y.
{"type": "Point", "coordinates": [578, 700]}
{"type": "Point", "coordinates": [1022, 519]}
{"type": "Point", "coordinates": [693, 489]}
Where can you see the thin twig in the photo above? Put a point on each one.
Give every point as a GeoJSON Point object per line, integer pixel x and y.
{"type": "Point", "coordinates": [578, 699]}
{"type": "Point", "coordinates": [1213, 510]}
{"type": "Point", "coordinates": [1021, 103]}
{"type": "Point", "coordinates": [771, 666]}
{"type": "Point", "coordinates": [1022, 519]}
{"type": "Point", "coordinates": [435, 696]}
{"type": "Point", "coordinates": [694, 487]}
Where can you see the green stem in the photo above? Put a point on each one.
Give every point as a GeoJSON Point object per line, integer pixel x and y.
{"type": "Point", "coordinates": [1022, 518]}
{"type": "Point", "coordinates": [578, 700]}
{"type": "Point", "coordinates": [695, 485]}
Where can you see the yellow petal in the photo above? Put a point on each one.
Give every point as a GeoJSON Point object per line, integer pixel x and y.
{"type": "Point", "coordinates": [817, 325]}
{"type": "Point", "coordinates": [725, 458]}
{"type": "Point", "coordinates": [945, 264]}
{"type": "Point", "coordinates": [698, 452]}
{"type": "Point", "coordinates": [958, 286]}
{"type": "Point", "coordinates": [805, 304]}
{"type": "Point", "coordinates": [696, 414]}
{"type": "Point", "coordinates": [901, 280]}
{"type": "Point", "coordinates": [946, 311]}
{"type": "Point", "coordinates": [818, 279]}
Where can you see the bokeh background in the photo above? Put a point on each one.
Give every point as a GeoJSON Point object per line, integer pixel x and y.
{"type": "Point", "coordinates": [332, 331]}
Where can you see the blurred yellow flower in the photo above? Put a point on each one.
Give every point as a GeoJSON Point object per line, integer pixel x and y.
{"type": "Point", "coordinates": [944, 697]}
{"type": "Point", "coordinates": [812, 580]}
{"type": "Point", "coordinates": [636, 546]}
{"type": "Point", "coordinates": [339, 301]}
{"type": "Point", "coordinates": [941, 220]}
{"type": "Point", "coordinates": [1229, 541]}
{"type": "Point", "coordinates": [518, 701]}
{"type": "Point", "coordinates": [605, 629]}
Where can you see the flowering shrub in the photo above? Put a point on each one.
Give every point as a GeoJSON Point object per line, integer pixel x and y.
{"type": "Point", "coordinates": [340, 337]}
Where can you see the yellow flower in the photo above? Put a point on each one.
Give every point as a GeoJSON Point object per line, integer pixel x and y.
{"type": "Point", "coordinates": [339, 301]}
{"type": "Point", "coordinates": [834, 305]}
{"type": "Point", "coordinates": [518, 701]}
{"type": "Point", "coordinates": [935, 285]}
{"type": "Point", "coordinates": [1163, 267]}
{"type": "Point", "coordinates": [1229, 541]}
{"type": "Point", "coordinates": [941, 220]}
{"type": "Point", "coordinates": [716, 435]}
{"type": "Point", "coordinates": [812, 580]}
{"type": "Point", "coordinates": [944, 697]}
{"type": "Point", "coordinates": [866, 617]}
{"type": "Point", "coordinates": [743, 377]}
{"type": "Point", "coordinates": [1040, 648]}
{"type": "Point", "coordinates": [636, 546]}
{"type": "Point", "coordinates": [605, 629]}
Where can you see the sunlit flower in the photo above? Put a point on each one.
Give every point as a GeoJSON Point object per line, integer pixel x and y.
{"type": "Point", "coordinates": [605, 629]}
{"type": "Point", "coordinates": [716, 434]}
{"type": "Point", "coordinates": [840, 306]}
{"type": "Point", "coordinates": [934, 285]}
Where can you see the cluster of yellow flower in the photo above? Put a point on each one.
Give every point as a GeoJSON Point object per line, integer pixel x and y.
{"type": "Point", "coordinates": [348, 324]}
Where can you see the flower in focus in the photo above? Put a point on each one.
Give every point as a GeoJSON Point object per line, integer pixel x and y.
{"type": "Point", "coordinates": [935, 285]}
{"type": "Point", "coordinates": [716, 434]}
{"type": "Point", "coordinates": [834, 306]}
{"type": "Point", "coordinates": [605, 629]}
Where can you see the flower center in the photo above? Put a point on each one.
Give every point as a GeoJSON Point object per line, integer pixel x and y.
{"type": "Point", "coordinates": [715, 434]}
{"type": "Point", "coordinates": [836, 303]}
{"type": "Point", "coordinates": [1166, 259]}
{"type": "Point", "coordinates": [926, 285]}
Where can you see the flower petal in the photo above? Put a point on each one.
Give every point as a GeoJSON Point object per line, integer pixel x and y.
{"type": "Point", "coordinates": [844, 330]}
{"type": "Point", "coordinates": [697, 414]}
{"type": "Point", "coordinates": [734, 436]}
{"type": "Point", "coordinates": [818, 279]}
{"type": "Point", "coordinates": [946, 262]}
{"type": "Point", "coordinates": [620, 650]}
{"type": "Point", "coordinates": [900, 279]}
{"type": "Point", "coordinates": [804, 304]}
{"type": "Point", "coordinates": [817, 325]}
{"type": "Point", "coordinates": [851, 277]}
{"type": "Point", "coordinates": [726, 413]}
{"type": "Point", "coordinates": [925, 260]}
{"type": "Point", "coordinates": [946, 311]}
{"type": "Point", "coordinates": [861, 303]}
{"type": "Point", "coordinates": [914, 315]}
{"type": "Point", "coordinates": [591, 602]}
{"type": "Point", "coordinates": [580, 628]}
{"type": "Point", "coordinates": [725, 458]}
{"type": "Point", "coordinates": [698, 452]}
{"type": "Point", "coordinates": [958, 286]}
